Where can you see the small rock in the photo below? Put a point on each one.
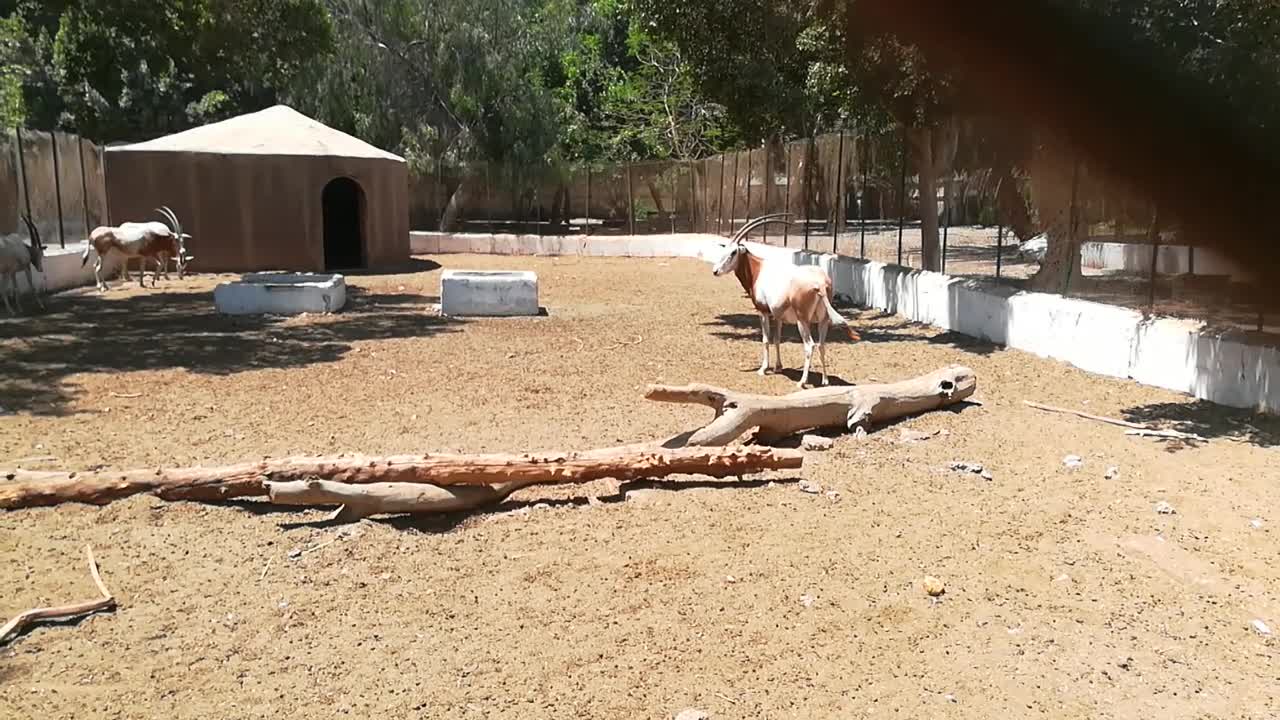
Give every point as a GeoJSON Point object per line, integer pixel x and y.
{"type": "Point", "coordinates": [816, 443]}
{"type": "Point", "coordinates": [1261, 627]}
{"type": "Point", "coordinates": [949, 698]}
{"type": "Point", "coordinates": [908, 436]}
{"type": "Point", "coordinates": [1125, 663]}
{"type": "Point", "coordinates": [933, 586]}
{"type": "Point", "coordinates": [295, 553]}
{"type": "Point", "coordinates": [986, 475]}
{"type": "Point", "coordinates": [962, 466]}
{"type": "Point", "coordinates": [1112, 473]}
{"type": "Point", "coordinates": [691, 714]}
{"type": "Point", "coordinates": [833, 495]}
{"type": "Point", "coordinates": [1073, 461]}
{"type": "Point", "coordinates": [1063, 578]}
{"type": "Point", "coordinates": [1164, 508]}
{"type": "Point", "coordinates": [1256, 523]}
{"type": "Point", "coordinates": [808, 600]}
{"type": "Point", "coordinates": [809, 486]}
{"type": "Point", "coordinates": [730, 579]}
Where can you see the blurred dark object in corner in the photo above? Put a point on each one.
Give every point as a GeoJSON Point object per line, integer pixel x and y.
{"type": "Point", "coordinates": [1076, 75]}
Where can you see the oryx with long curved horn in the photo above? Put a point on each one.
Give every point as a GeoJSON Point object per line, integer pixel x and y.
{"type": "Point", "coordinates": [155, 241]}
{"type": "Point", "coordinates": [20, 255]}
{"type": "Point", "coordinates": [783, 292]}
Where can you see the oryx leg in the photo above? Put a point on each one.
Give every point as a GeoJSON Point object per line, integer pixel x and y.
{"type": "Point", "coordinates": [777, 344]}
{"type": "Point", "coordinates": [823, 326]}
{"type": "Point", "coordinates": [764, 332]}
{"type": "Point", "coordinates": [34, 291]}
{"type": "Point", "coordinates": [4, 292]}
{"type": "Point", "coordinates": [808, 351]}
{"type": "Point", "coordinates": [97, 273]}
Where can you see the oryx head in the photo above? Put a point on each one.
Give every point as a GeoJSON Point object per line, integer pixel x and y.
{"type": "Point", "coordinates": [737, 246]}
{"type": "Point", "coordinates": [36, 248]}
{"type": "Point", "coordinates": [183, 258]}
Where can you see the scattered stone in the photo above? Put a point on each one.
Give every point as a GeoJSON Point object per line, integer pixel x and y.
{"type": "Point", "coordinates": [1073, 461]}
{"type": "Point", "coordinates": [1063, 578]}
{"type": "Point", "coordinates": [816, 443]}
{"type": "Point", "coordinates": [808, 600]}
{"type": "Point", "coordinates": [1125, 663]}
{"type": "Point", "coordinates": [691, 714]}
{"type": "Point", "coordinates": [933, 586]}
{"type": "Point", "coordinates": [1261, 627]}
{"type": "Point", "coordinates": [1112, 473]}
{"type": "Point", "coordinates": [730, 579]}
{"type": "Point", "coordinates": [809, 486]}
{"type": "Point", "coordinates": [986, 475]}
{"type": "Point", "coordinates": [970, 467]}
{"type": "Point", "coordinates": [833, 495]}
{"type": "Point", "coordinates": [295, 553]}
{"type": "Point", "coordinates": [949, 698]}
{"type": "Point", "coordinates": [909, 436]}
{"type": "Point", "coordinates": [1164, 508]}
{"type": "Point", "coordinates": [1256, 523]}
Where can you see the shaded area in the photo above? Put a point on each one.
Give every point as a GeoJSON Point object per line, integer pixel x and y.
{"type": "Point", "coordinates": [164, 330]}
{"type": "Point", "coordinates": [1209, 420]}
{"type": "Point", "coordinates": [745, 327]}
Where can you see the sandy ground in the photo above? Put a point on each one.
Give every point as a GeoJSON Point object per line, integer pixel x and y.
{"type": "Point", "coordinates": [1067, 595]}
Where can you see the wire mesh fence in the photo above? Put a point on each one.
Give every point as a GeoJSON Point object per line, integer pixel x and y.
{"type": "Point", "coordinates": [858, 195]}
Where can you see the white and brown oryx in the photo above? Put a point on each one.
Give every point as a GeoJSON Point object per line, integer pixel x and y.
{"type": "Point", "coordinates": [152, 240]}
{"type": "Point", "coordinates": [784, 292]}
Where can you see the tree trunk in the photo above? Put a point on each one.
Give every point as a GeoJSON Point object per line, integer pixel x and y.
{"type": "Point", "coordinates": [778, 417]}
{"type": "Point", "coordinates": [1055, 183]}
{"type": "Point", "coordinates": [656, 195]}
{"type": "Point", "coordinates": [32, 488]}
{"type": "Point", "coordinates": [1012, 206]}
{"type": "Point", "coordinates": [457, 201]}
{"type": "Point", "coordinates": [934, 150]}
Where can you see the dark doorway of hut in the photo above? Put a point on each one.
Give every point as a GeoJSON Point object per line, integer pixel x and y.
{"type": "Point", "coordinates": [343, 201]}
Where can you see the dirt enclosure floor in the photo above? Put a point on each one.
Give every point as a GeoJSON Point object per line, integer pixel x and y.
{"type": "Point", "coordinates": [1067, 594]}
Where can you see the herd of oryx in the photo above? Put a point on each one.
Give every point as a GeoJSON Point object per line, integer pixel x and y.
{"type": "Point", "coordinates": [781, 292]}
{"type": "Point", "coordinates": [156, 242]}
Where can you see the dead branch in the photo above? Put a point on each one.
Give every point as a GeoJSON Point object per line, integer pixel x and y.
{"type": "Point", "coordinates": [360, 501]}
{"type": "Point", "coordinates": [25, 619]}
{"type": "Point", "coordinates": [1143, 430]}
{"type": "Point", "coordinates": [32, 488]}
{"type": "Point", "coordinates": [849, 407]}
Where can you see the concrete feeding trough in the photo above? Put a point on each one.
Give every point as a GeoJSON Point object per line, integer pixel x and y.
{"type": "Point", "coordinates": [281, 293]}
{"type": "Point", "coordinates": [488, 293]}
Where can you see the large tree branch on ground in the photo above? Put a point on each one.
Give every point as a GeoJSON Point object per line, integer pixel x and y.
{"type": "Point", "coordinates": [37, 488]}
{"type": "Point", "coordinates": [359, 501]}
{"type": "Point", "coordinates": [826, 407]}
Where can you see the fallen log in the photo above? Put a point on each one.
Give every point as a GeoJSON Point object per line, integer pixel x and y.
{"type": "Point", "coordinates": [27, 488]}
{"type": "Point", "coordinates": [850, 407]}
{"type": "Point", "coordinates": [359, 501]}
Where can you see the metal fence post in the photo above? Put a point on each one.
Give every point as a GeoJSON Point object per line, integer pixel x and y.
{"type": "Point", "coordinates": [750, 153]}
{"type": "Point", "coordinates": [720, 205]}
{"type": "Point", "coordinates": [946, 220]}
{"type": "Point", "coordinates": [786, 204]}
{"type": "Point", "coordinates": [631, 203]}
{"type": "Point", "coordinates": [835, 226]}
{"type": "Point", "coordinates": [84, 185]}
{"type": "Point", "coordinates": [768, 183]}
{"type": "Point", "coordinates": [862, 199]}
{"type": "Point", "coordinates": [808, 186]}
{"type": "Point", "coordinates": [57, 188]}
{"type": "Point", "coordinates": [22, 168]}
{"type": "Point", "coordinates": [902, 194]}
{"type": "Point", "coordinates": [999, 247]}
{"type": "Point", "coordinates": [733, 201]}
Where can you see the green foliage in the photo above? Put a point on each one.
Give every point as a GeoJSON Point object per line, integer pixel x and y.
{"type": "Point", "coordinates": [128, 69]}
{"type": "Point", "coordinates": [15, 66]}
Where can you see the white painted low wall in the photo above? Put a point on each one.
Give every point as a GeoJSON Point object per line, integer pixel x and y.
{"type": "Point", "coordinates": [62, 269]}
{"type": "Point", "coordinates": [1171, 260]}
{"type": "Point", "coordinates": [1175, 354]}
